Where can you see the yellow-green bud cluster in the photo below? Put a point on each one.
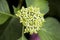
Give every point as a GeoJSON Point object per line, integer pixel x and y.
{"type": "Point", "coordinates": [31, 18]}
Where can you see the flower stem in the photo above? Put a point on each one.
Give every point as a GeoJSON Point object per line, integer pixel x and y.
{"type": "Point", "coordinates": [8, 14]}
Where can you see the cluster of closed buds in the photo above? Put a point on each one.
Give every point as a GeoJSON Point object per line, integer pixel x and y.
{"type": "Point", "coordinates": [31, 18]}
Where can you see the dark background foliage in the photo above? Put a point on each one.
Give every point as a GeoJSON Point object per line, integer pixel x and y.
{"type": "Point", "coordinates": [54, 10]}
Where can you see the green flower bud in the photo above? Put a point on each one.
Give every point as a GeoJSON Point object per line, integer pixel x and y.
{"type": "Point", "coordinates": [31, 18]}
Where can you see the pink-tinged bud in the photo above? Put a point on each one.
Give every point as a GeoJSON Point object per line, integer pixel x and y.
{"type": "Point", "coordinates": [34, 37]}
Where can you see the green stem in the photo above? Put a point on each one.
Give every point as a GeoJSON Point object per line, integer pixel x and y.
{"type": "Point", "coordinates": [22, 32]}
{"type": "Point", "coordinates": [20, 3]}
{"type": "Point", "coordinates": [8, 14]}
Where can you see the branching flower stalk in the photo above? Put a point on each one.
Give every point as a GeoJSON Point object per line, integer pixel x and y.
{"type": "Point", "coordinates": [31, 18]}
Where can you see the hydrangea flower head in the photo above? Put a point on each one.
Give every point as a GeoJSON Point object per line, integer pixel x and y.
{"type": "Point", "coordinates": [31, 18]}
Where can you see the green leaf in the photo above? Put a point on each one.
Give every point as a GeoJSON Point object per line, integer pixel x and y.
{"type": "Point", "coordinates": [3, 9]}
{"type": "Point", "coordinates": [42, 4]}
{"type": "Point", "coordinates": [51, 30]}
{"type": "Point", "coordinates": [12, 31]}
